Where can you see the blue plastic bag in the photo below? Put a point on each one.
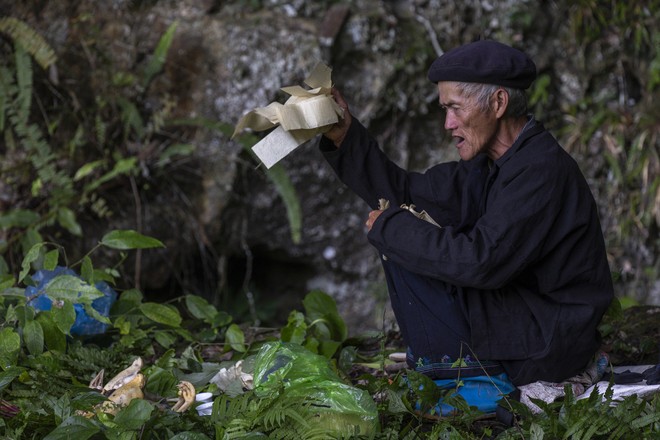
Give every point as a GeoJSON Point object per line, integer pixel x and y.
{"type": "Point", "coordinates": [483, 392]}
{"type": "Point", "coordinates": [84, 324]}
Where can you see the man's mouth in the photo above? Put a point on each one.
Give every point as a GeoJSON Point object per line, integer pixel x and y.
{"type": "Point", "coordinates": [459, 141]}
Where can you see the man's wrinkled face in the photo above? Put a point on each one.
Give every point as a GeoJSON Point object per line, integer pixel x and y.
{"type": "Point", "coordinates": [473, 129]}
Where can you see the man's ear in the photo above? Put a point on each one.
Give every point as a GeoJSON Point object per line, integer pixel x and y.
{"type": "Point", "coordinates": [500, 102]}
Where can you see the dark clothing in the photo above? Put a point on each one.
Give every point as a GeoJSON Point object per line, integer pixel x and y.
{"type": "Point", "coordinates": [521, 251]}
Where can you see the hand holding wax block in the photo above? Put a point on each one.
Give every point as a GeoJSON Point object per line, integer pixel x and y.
{"type": "Point", "coordinates": [307, 113]}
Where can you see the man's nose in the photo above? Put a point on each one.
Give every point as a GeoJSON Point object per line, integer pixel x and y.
{"type": "Point", "coordinates": [450, 122]}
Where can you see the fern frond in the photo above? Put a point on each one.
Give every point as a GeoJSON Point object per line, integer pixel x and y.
{"type": "Point", "coordinates": [29, 39]}
{"type": "Point", "coordinates": [25, 394]}
{"type": "Point", "coordinates": [230, 409]}
{"type": "Point", "coordinates": [7, 91]}
{"type": "Point", "coordinates": [646, 420]}
{"type": "Point", "coordinates": [238, 428]}
{"type": "Point", "coordinates": [82, 359]}
{"type": "Point", "coordinates": [601, 425]}
{"type": "Point", "coordinates": [24, 80]}
{"type": "Point", "coordinates": [131, 118]}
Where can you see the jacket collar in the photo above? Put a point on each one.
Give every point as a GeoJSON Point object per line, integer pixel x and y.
{"type": "Point", "coordinates": [531, 129]}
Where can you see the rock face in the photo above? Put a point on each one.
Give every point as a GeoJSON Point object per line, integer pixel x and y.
{"type": "Point", "coordinates": [221, 217]}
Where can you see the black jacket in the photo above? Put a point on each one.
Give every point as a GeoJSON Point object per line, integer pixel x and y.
{"type": "Point", "coordinates": [521, 240]}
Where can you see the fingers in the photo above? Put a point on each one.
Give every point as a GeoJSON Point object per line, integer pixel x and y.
{"type": "Point", "coordinates": [373, 215]}
{"type": "Point", "coordinates": [337, 132]}
{"type": "Point", "coordinates": [339, 99]}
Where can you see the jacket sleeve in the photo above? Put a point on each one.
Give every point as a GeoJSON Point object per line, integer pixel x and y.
{"type": "Point", "coordinates": [366, 170]}
{"type": "Point", "coordinates": [527, 207]}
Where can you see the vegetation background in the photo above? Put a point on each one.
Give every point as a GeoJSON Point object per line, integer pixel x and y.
{"type": "Point", "coordinates": [118, 118]}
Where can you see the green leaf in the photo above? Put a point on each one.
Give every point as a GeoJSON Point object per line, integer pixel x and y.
{"type": "Point", "coordinates": [161, 313]}
{"type": "Point", "coordinates": [87, 270]}
{"type": "Point", "coordinates": [160, 54]}
{"type": "Point", "coordinates": [395, 403]}
{"type": "Point", "coordinates": [288, 193]}
{"type": "Point", "coordinates": [235, 338]}
{"type": "Point", "coordinates": [136, 414]}
{"type": "Point", "coordinates": [77, 427]}
{"type": "Point", "coordinates": [132, 296]}
{"type": "Point", "coordinates": [71, 288]}
{"type": "Point", "coordinates": [328, 348]}
{"type": "Point", "coordinates": [174, 150]}
{"type": "Point", "coordinates": [221, 319]}
{"type": "Point", "coordinates": [51, 258]}
{"type": "Point", "coordinates": [8, 376]}
{"type": "Point", "coordinates": [87, 169]}
{"type": "Point", "coordinates": [200, 308]}
{"type": "Point", "coordinates": [123, 325]}
{"type": "Point", "coordinates": [108, 275]}
{"type": "Point", "coordinates": [6, 281]}
{"type": "Point", "coordinates": [425, 388]}
{"type": "Point", "coordinates": [161, 382]}
{"type": "Point", "coordinates": [295, 329]}
{"type": "Point", "coordinates": [320, 307]}
{"type": "Point", "coordinates": [94, 314]}
{"type": "Point", "coordinates": [63, 316]}
{"type": "Point", "coordinates": [61, 407]}
{"type": "Point", "coordinates": [67, 219]}
{"type": "Point", "coordinates": [32, 255]}
{"type": "Point", "coordinates": [20, 218]}
{"type": "Point", "coordinates": [123, 166]}
{"type": "Point", "coordinates": [10, 345]}
{"type": "Point", "coordinates": [192, 436]}
{"type": "Point", "coordinates": [33, 335]}
{"type": "Point", "coordinates": [129, 239]}
{"type": "Point", "coordinates": [165, 339]}
{"type": "Point", "coordinates": [54, 337]}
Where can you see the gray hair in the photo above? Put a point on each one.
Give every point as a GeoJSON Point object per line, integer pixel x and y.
{"type": "Point", "coordinates": [482, 92]}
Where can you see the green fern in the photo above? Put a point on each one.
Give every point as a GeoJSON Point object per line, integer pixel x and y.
{"type": "Point", "coordinates": [278, 416]}
{"type": "Point", "coordinates": [231, 408]}
{"type": "Point", "coordinates": [596, 417]}
{"type": "Point", "coordinates": [24, 394]}
{"type": "Point", "coordinates": [82, 360]}
{"type": "Point", "coordinates": [23, 65]}
{"type": "Point", "coordinates": [285, 413]}
{"type": "Point", "coordinates": [29, 39]}
{"type": "Point", "coordinates": [16, 101]}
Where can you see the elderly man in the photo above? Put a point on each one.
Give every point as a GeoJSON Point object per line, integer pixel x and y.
{"type": "Point", "coordinates": [513, 278]}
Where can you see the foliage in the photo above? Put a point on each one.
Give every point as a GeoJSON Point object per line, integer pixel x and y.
{"type": "Point", "coordinates": [45, 370]}
{"type": "Point", "coordinates": [62, 163]}
{"type": "Point", "coordinates": [49, 176]}
{"type": "Point", "coordinates": [615, 116]}
{"type": "Point", "coordinates": [56, 176]}
{"type": "Point", "coordinates": [590, 418]}
{"type": "Point", "coordinates": [320, 329]}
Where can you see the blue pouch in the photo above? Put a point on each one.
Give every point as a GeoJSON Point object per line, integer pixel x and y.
{"type": "Point", "coordinates": [84, 324]}
{"type": "Point", "coordinates": [483, 392]}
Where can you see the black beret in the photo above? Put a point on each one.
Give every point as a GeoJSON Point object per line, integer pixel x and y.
{"type": "Point", "coordinates": [487, 62]}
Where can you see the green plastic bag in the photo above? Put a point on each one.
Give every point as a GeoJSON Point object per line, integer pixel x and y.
{"type": "Point", "coordinates": [344, 409]}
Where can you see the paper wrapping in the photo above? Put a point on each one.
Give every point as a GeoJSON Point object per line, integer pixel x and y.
{"type": "Point", "coordinates": [307, 113]}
